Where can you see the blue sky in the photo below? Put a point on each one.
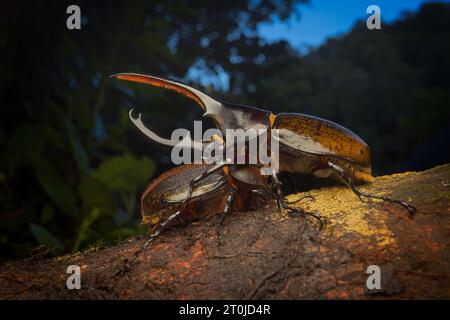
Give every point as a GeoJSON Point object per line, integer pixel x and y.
{"type": "Point", "coordinates": [320, 19]}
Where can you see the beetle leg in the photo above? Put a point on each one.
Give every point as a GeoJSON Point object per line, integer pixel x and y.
{"type": "Point", "coordinates": [196, 180]}
{"type": "Point", "coordinates": [307, 196]}
{"type": "Point", "coordinates": [182, 221]}
{"type": "Point", "coordinates": [161, 227]}
{"type": "Point", "coordinates": [226, 211]}
{"type": "Point", "coordinates": [293, 212]}
{"type": "Point", "coordinates": [202, 176]}
{"type": "Point", "coordinates": [213, 186]}
{"type": "Point", "coordinates": [349, 182]}
{"type": "Point", "coordinates": [278, 192]}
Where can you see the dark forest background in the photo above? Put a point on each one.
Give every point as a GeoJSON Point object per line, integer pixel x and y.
{"type": "Point", "coordinates": [72, 166]}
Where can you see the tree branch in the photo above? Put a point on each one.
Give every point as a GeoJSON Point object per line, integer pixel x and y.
{"type": "Point", "coordinates": [269, 255]}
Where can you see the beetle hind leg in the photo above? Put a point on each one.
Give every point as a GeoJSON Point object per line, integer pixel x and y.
{"type": "Point", "coordinates": [411, 209]}
{"type": "Point", "coordinates": [349, 182]}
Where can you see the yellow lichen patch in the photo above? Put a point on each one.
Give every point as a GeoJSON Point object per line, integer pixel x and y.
{"type": "Point", "coordinates": [395, 176]}
{"type": "Point", "coordinates": [339, 204]}
{"type": "Point", "coordinates": [67, 257]}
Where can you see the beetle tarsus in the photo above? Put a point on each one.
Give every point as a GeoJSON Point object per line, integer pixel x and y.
{"type": "Point", "coordinates": [411, 209]}
{"type": "Point", "coordinates": [349, 182]}
{"type": "Point", "coordinates": [307, 196]}
{"type": "Point", "coordinates": [293, 212]}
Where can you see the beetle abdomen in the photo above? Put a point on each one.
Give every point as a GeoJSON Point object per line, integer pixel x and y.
{"type": "Point", "coordinates": [173, 185]}
{"type": "Point", "coordinates": [322, 137]}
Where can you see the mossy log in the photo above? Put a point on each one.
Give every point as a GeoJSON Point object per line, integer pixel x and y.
{"type": "Point", "coordinates": [267, 254]}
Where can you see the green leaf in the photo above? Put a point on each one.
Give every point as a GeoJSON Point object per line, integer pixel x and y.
{"type": "Point", "coordinates": [55, 187]}
{"type": "Point", "coordinates": [47, 213]}
{"type": "Point", "coordinates": [79, 152]}
{"type": "Point", "coordinates": [27, 140]}
{"type": "Point", "coordinates": [53, 138]}
{"type": "Point", "coordinates": [44, 237]}
{"type": "Point", "coordinates": [124, 120]}
{"type": "Point", "coordinates": [93, 215]}
{"type": "Point", "coordinates": [2, 177]}
{"type": "Point", "coordinates": [94, 193]}
{"type": "Point", "coordinates": [123, 233]}
{"type": "Point", "coordinates": [125, 173]}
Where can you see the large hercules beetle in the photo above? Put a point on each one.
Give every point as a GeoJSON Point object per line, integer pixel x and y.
{"type": "Point", "coordinates": [307, 144]}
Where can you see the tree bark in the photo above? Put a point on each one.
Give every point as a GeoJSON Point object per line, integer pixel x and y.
{"type": "Point", "coordinates": [267, 254]}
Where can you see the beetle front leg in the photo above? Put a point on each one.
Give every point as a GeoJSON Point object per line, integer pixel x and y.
{"type": "Point", "coordinates": [349, 182]}
{"type": "Point", "coordinates": [161, 227]}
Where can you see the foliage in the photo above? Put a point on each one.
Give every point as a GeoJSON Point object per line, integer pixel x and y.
{"type": "Point", "coordinates": [71, 165]}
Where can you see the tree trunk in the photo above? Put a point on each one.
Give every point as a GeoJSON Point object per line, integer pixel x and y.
{"type": "Point", "coordinates": [267, 254]}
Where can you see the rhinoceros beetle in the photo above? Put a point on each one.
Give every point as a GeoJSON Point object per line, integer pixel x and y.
{"type": "Point", "coordinates": [307, 144]}
{"type": "Point", "coordinates": [220, 192]}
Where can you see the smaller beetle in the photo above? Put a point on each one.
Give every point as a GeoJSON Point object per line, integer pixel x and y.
{"type": "Point", "coordinates": [163, 204]}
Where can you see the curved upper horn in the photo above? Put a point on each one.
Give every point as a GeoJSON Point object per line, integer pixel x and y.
{"type": "Point", "coordinates": [225, 115]}
{"type": "Point", "coordinates": [186, 142]}
{"type": "Point", "coordinates": [202, 99]}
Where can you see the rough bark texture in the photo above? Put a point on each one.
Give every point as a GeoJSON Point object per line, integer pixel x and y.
{"type": "Point", "coordinates": [269, 255]}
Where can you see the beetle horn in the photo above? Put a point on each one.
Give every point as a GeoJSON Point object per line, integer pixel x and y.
{"type": "Point", "coordinates": [186, 142]}
{"type": "Point", "coordinates": [202, 99]}
{"type": "Point", "coordinates": [224, 115]}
